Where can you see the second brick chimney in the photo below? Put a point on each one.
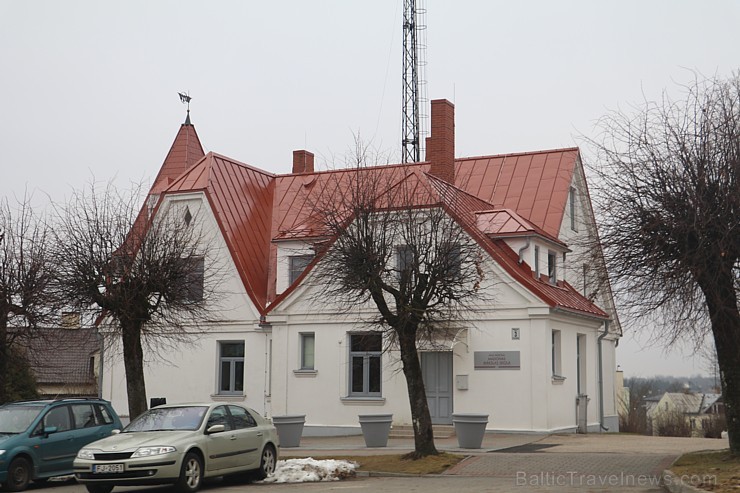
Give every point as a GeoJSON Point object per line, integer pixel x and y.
{"type": "Point", "coordinates": [440, 151]}
{"type": "Point", "coordinates": [302, 162]}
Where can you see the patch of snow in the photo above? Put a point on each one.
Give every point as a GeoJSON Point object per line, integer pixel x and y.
{"type": "Point", "coordinates": [310, 470]}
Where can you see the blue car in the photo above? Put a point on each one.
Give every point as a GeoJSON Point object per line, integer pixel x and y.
{"type": "Point", "coordinates": [40, 439]}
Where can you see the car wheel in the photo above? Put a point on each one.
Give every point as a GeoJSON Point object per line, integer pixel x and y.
{"type": "Point", "coordinates": [19, 474]}
{"type": "Point", "coordinates": [267, 463]}
{"type": "Point", "coordinates": [99, 488]}
{"type": "Point", "coordinates": [191, 474]}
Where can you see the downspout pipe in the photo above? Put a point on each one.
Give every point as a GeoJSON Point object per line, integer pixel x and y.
{"type": "Point", "coordinates": [601, 377]}
{"type": "Point", "coordinates": [521, 250]}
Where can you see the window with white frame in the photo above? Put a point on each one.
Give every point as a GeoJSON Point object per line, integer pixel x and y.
{"type": "Point", "coordinates": [193, 287]}
{"type": "Point", "coordinates": [404, 261]}
{"type": "Point", "coordinates": [298, 264]}
{"type": "Point", "coordinates": [556, 363]}
{"type": "Point", "coordinates": [572, 200]}
{"type": "Point", "coordinates": [454, 259]}
{"type": "Point", "coordinates": [552, 267]}
{"type": "Point", "coordinates": [586, 274]}
{"type": "Point", "coordinates": [231, 367]}
{"type": "Point", "coordinates": [307, 350]}
{"type": "Point", "coordinates": [364, 355]}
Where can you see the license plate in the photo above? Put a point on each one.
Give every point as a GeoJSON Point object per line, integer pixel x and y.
{"type": "Point", "coordinates": [107, 468]}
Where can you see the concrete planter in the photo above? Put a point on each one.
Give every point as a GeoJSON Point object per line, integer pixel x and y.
{"type": "Point", "coordinates": [289, 429]}
{"type": "Point", "coordinates": [375, 428]}
{"type": "Point", "coordinates": [470, 428]}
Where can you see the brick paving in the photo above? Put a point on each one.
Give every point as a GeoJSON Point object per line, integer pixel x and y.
{"type": "Point", "coordinates": [513, 465]}
{"type": "Point", "coordinates": [530, 462]}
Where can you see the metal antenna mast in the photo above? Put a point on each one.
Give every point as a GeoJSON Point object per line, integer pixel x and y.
{"type": "Point", "coordinates": [414, 85]}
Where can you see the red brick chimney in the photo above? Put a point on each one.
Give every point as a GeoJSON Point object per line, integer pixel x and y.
{"type": "Point", "coordinates": [441, 143]}
{"type": "Point", "coordinates": [302, 162]}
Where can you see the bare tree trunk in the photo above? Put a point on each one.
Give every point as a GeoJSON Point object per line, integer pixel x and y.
{"type": "Point", "coordinates": [133, 361]}
{"type": "Point", "coordinates": [722, 305]}
{"type": "Point", "coordinates": [420, 417]}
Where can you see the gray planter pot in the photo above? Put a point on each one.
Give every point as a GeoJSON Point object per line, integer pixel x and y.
{"type": "Point", "coordinates": [375, 428]}
{"type": "Point", "coordinates": [289, 429]}
{"type": "Point", "coordinates": [470, 428]}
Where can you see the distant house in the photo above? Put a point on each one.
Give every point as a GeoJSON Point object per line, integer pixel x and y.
{"type": "Point", "coordinates": [65, 362]}
{"type": "Point", "coordinates": [545, 340]}
{"type": "Point", "coordinates": [690, 414]}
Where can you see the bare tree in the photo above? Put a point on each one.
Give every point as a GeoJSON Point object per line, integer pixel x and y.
{"type": "Point", "coordinates": [669, 201]}
{"type": "Point", "coordinates": [26, 295]}
{"type": "Point", "coordinates": [393, 245]}
{"type": "Point", "coordinates": [141, 271]}
{"type": "Point", "coordinates": [634, 419]}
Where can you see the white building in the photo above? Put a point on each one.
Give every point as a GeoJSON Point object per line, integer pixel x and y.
{"type": "Point", "coordinates": [548, 335]}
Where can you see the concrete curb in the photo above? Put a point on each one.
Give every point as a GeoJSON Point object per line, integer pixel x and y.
{"type": "Point", "coordinates": [674, 484]}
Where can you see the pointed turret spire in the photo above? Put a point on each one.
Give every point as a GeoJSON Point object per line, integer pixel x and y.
{"type": "Point", "coordinates": [186, 150]}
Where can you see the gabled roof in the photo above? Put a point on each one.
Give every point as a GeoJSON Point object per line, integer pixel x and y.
{"type": "Point", "coordinates": [255, 209]}
{"type": "Point", "coordinates": [62, 356]}
{"type": "Point", "coordinates": [685, 403]}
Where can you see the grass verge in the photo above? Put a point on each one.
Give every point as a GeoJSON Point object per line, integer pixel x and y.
{"type": "Point", "coordinates": [711, 471]}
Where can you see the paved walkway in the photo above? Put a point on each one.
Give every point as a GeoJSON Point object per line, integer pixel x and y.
{"type": "Point", "coordinates": [594, 462]}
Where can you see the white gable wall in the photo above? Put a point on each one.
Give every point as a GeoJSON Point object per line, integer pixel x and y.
{"type": "Point", "coordinates": [189, 372]}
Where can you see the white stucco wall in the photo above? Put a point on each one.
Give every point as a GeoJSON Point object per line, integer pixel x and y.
{"type": "Point", "coordinates": [516, 400]}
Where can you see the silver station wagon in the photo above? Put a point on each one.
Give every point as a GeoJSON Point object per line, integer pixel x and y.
{"type": "Point", "coordinates": [181, 444]}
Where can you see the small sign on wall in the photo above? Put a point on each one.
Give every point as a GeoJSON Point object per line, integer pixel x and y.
{"type": "Point", "coordinates": [496, 360]}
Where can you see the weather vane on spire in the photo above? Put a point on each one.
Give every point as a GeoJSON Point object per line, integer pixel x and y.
{"type": "Point", "coordinates": [185, 99]}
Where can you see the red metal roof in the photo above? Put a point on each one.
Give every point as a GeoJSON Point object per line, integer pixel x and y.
{"type": "Point", "coordinates": [535, 185]}
{"type": "Point", "coordinates": [255, 209]}
{"type": "Point", "coordinates": [504, 223]}
{"type": "Point", "coordinates": [184, 153]}
{"type": "Point", "coordinates": [241, 198]}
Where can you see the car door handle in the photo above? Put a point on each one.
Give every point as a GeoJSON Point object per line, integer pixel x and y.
{"type": "Point", "coordinates": [259, 434]}
{"type": "Point", "coordinates": [232, 437]}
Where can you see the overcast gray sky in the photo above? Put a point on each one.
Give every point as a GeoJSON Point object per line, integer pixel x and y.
{"type": "Point", "coordinates": [89, 88]}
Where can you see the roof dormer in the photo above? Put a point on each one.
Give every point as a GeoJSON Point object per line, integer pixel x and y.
{"type": "Point", "coordinates": [542, 252]}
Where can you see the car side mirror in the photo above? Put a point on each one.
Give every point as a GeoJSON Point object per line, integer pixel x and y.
{"type": "Point", "coordinates": [115, 431]}
{"type": "Point", "coordinates": [48, 430]}
{"type": "Point", "coordinates": [215, 429]}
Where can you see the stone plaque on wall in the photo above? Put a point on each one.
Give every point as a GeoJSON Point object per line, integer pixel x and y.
{"type": "Point", "coordinates": [496, 360]}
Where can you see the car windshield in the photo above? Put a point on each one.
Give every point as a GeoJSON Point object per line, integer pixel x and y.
{"type": "Point", "coordinates": [17, 419]}
{"type": "Point", "coordinates": [168, 418]}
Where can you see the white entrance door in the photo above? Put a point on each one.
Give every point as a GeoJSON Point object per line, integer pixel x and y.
{"type": "Point", "coordinates": [437, 370]}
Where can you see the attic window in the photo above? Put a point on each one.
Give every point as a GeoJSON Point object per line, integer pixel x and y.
{"type": "Point", "coordinates": [572, 200]}
{"type": "Point", "coordinates": [298, 264]}
{"type": "Point", "coordinates": [552, 267]}
{"type": "Point", "coordinates": [188, 216]}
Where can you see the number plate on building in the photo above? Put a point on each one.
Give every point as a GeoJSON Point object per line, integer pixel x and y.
{"type": "Point", "coordinates": [107, 468]}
